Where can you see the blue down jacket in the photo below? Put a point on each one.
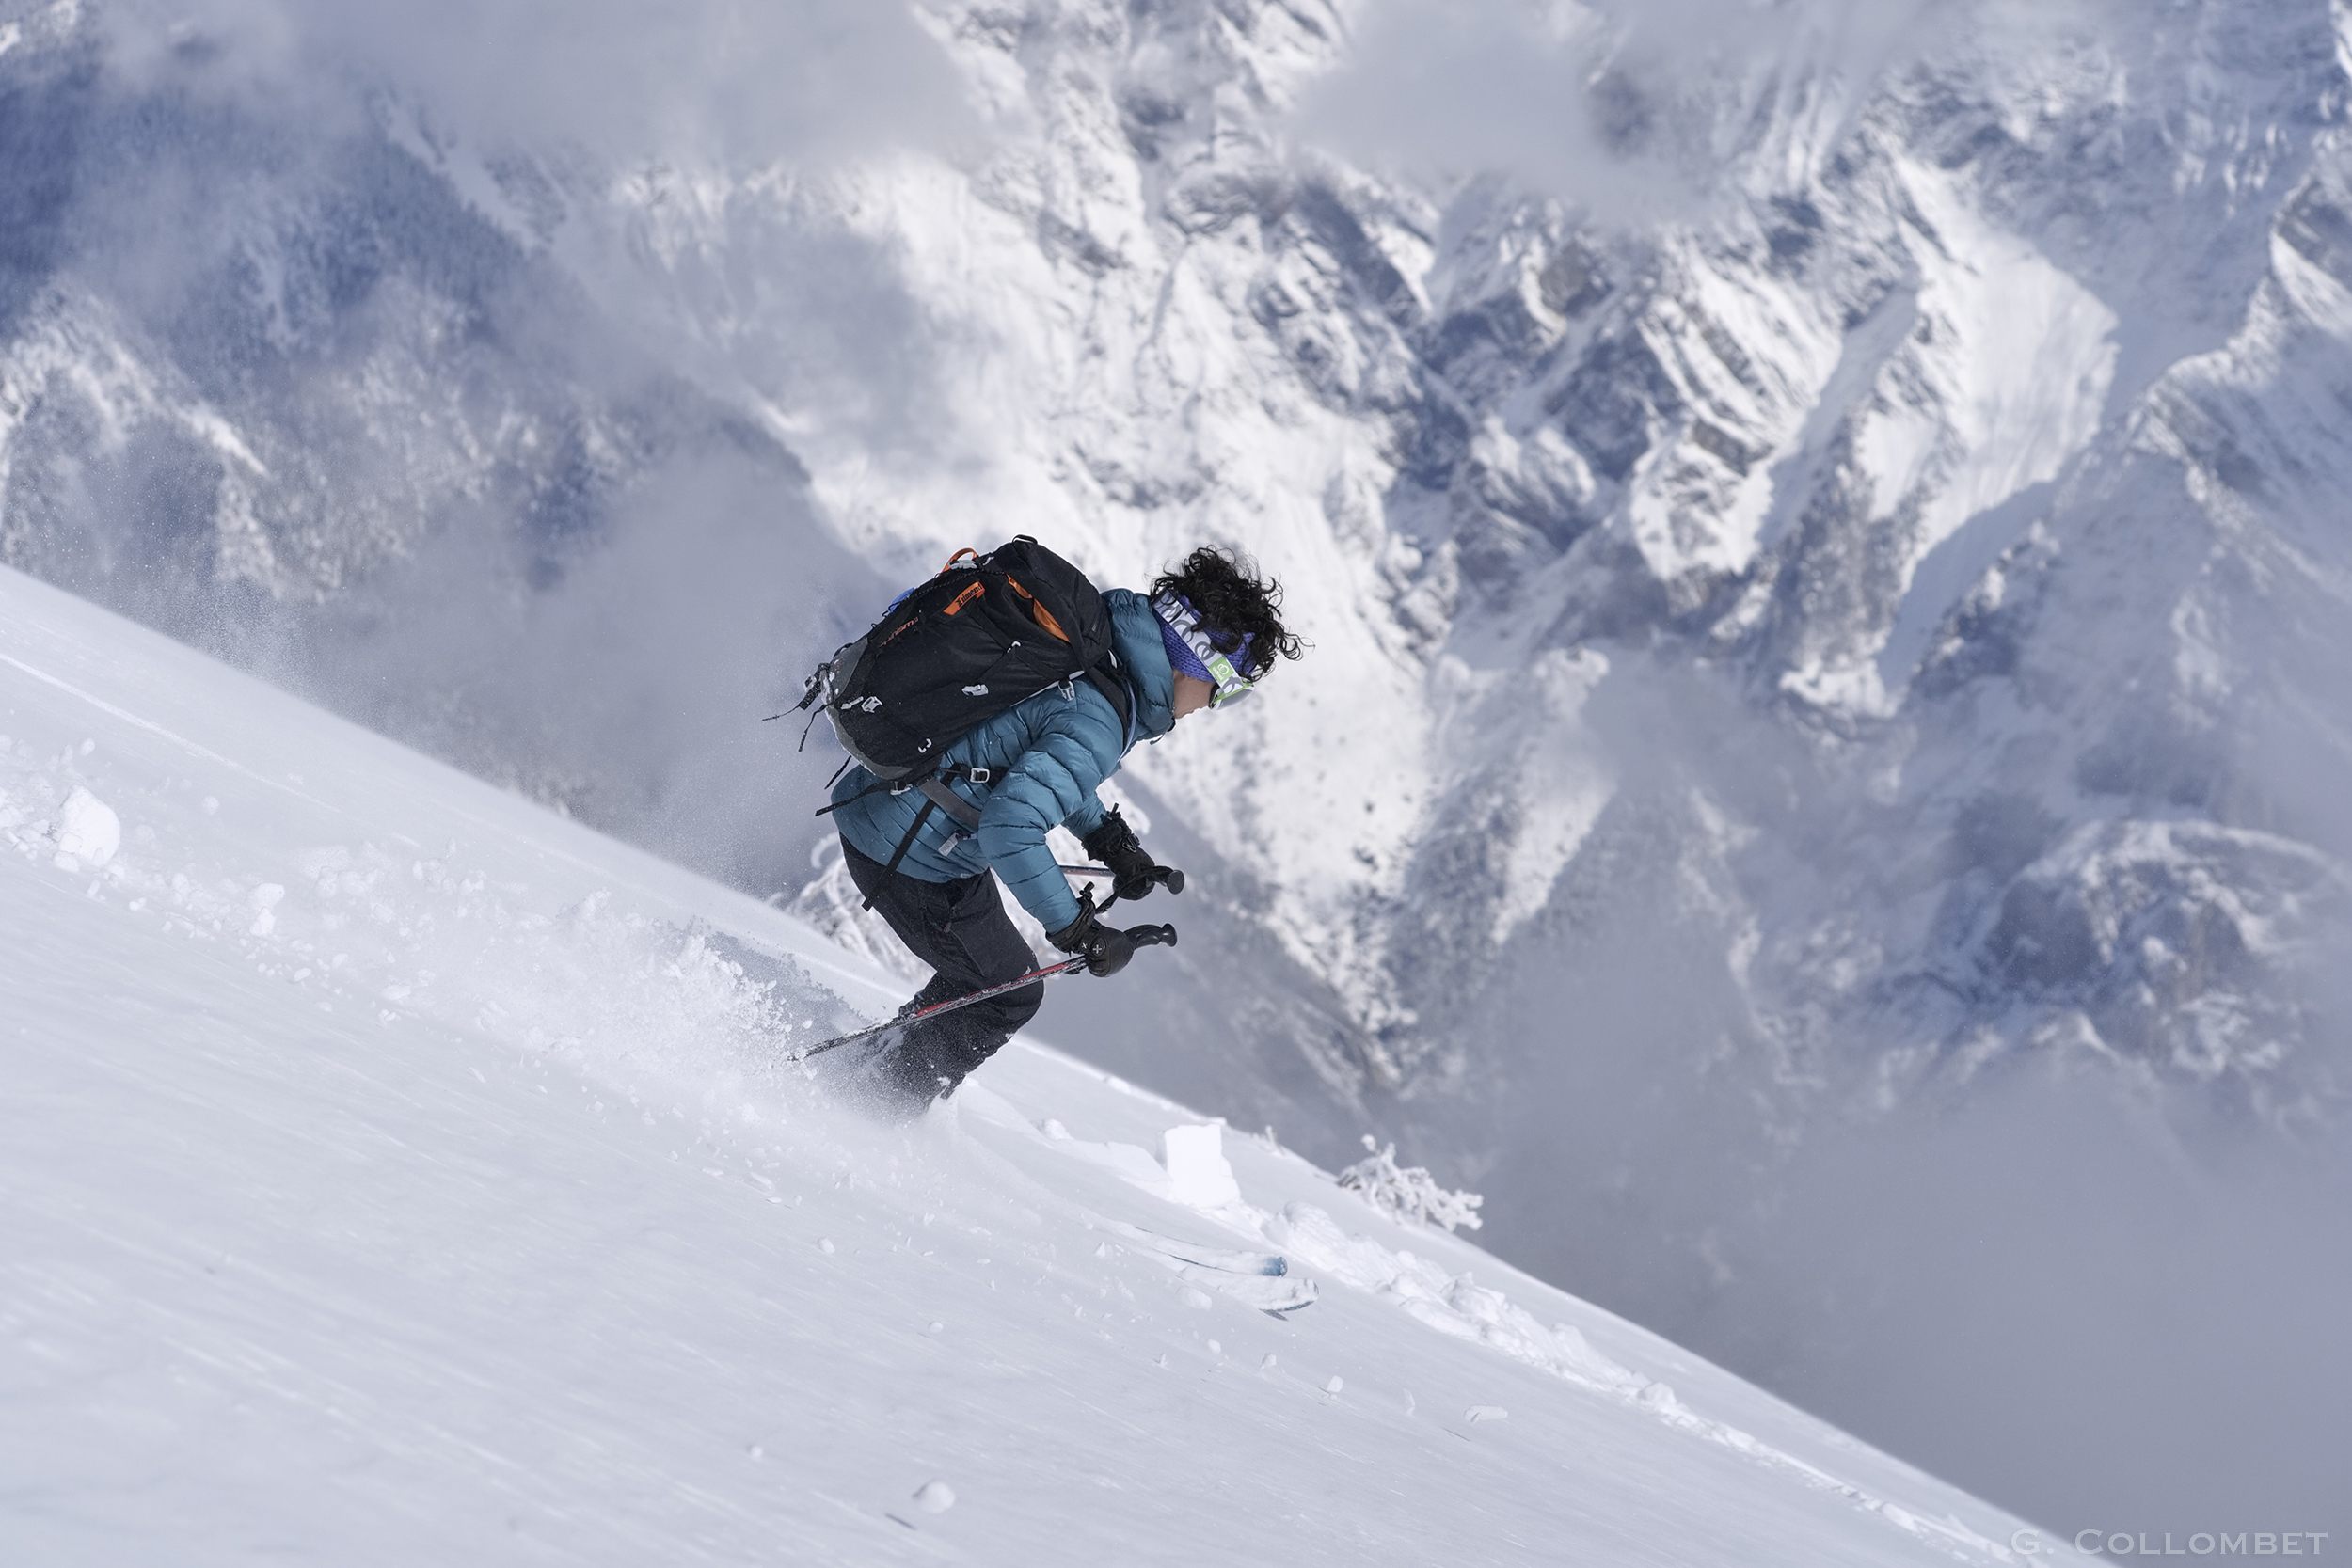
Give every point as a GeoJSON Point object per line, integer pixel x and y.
{"type": "Point", "coordinates": [1046, 754]}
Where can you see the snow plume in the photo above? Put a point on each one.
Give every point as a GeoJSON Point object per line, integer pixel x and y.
{"type": "Point", "coordinates": [629, 683]}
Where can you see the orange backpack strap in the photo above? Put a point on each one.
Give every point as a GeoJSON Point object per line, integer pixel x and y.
{"type": "Point", "coordinates": [1038, 612]}
{"type": "Point", "coordinates": [958, 556]}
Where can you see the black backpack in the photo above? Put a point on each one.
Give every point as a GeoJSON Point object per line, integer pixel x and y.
{"type": "Point", "coordinates": [987, 632]}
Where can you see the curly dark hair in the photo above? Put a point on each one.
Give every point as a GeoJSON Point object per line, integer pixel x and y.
{"type": "Point", "coordinates": [1233, 602]}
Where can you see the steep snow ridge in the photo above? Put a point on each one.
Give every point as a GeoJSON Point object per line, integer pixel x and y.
{"type": "Point", "coordinates": [396, 1169]}
{"type": "Point", "coordinates": [78, 344]}
{"type": "Point", "coordinates": [2039, 358]}
{"type": "Point", "coordinates": [1561, 782]}
{"type": "Point", "coordinates": [2013, 363]}
{"type": "Point", "coordinates": [74, 370]}
{"type": "Point", "coordinates": [1708, 514]}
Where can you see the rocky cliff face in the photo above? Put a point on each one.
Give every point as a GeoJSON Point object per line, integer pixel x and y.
{"type": "Point", "coordinates": [1882, 605]}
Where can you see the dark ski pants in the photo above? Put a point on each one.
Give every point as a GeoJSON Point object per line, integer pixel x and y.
{"type": "Point", "coordinates": [960, 929]}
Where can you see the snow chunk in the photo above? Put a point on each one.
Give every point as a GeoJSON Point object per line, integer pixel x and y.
{"type": "Point", "coordinates": [88, 828]}
{"type": "Point", "coordinates": [263, 900]}
{"type": "Point", "coordinates": [1125, 1160]}
{"type": "Point", "coordinates": [935, 1497]}
{"type": "Point", "coordinates": [1197, 1172]}
{"type": "Point", "coordinates": [1486, 1413]}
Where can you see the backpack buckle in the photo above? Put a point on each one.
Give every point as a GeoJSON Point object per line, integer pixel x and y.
{"type": "Point", "coordinates": [979, 775]}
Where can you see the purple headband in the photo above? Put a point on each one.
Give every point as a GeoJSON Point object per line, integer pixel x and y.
{"type": "Point", "coordinates": [1180, 654]}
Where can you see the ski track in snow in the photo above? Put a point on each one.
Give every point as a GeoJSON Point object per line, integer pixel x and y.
{"type": "Point", "coordinates": [302, 994]}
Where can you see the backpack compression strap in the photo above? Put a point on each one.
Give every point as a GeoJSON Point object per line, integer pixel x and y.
{"type": "Point", "coordinates": [937, 796]}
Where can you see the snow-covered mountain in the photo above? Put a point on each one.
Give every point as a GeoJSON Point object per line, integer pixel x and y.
{"type": "Point", "coordinates": [396, 1173]}
{"type": "Point", "coordinates": [1962, 445]}
{"type": "Point", "coordinates": [1827, 594]}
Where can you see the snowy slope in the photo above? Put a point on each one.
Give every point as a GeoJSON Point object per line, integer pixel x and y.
{"type": "Point", "coordinates": [394, 1172]}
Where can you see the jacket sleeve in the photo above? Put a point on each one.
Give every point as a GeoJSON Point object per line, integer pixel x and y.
{"type": "Point", "coordinates": [1053, 782]}
{"type": "Point", "coordinates": [1089, 816]}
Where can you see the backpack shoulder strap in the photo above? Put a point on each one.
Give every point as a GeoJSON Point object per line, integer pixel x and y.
{"type": "Point", "coordinates": [1104, 675]}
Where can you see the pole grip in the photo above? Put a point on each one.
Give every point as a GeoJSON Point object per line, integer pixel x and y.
{"type": "Point", "coordinates": [1151, 935]}
{"type": "Point", "coordinates": [1166, 876]}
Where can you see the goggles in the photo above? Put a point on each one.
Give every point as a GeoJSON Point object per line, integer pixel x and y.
{"type": "Point", "coordinates": [1225, 676]}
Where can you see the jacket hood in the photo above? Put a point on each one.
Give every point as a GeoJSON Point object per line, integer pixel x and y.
{"type": "Point", "coordinates": [1136, 633]}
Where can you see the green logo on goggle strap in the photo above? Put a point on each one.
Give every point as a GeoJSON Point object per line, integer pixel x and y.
{"type": "Point", "coordinates": [1230, 682]}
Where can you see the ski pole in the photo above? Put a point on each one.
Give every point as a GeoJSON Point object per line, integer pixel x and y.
{"type": "Point", "coordinates": [1166, 876]}
{"type": "Point", "coordinates": [1142, 936]}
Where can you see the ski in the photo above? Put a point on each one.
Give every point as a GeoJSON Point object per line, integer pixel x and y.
{"type": "Point", "coordinates": [1259, 1279]}
{"type": "Point", "coordinates": [909, 1019]}
{"type": "Point", "coordinates": [1143, 936]}
{"type": "Point", "coordinates": [1262, 1280]}
{"type": "Point", "coordinates": [1275, 1296]}
{"type": "Point", "coordinates": [1271, 1264]}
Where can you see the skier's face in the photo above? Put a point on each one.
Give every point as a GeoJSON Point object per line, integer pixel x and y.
{"type": "Point", "coordinates": [1192, 695]}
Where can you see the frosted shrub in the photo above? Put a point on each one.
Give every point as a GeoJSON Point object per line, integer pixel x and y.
{"type": "Point", "coordinates": [1409, 1192]}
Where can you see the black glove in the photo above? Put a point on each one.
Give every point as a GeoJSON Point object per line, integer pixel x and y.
{"type": "Point", "coordinates": [1105, 948]}
{"type": "Point", "coordinates": [1132, 872]}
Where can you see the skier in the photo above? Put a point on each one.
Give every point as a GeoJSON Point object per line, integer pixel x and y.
{"type": "Point", "coordinates": [1205, 634]}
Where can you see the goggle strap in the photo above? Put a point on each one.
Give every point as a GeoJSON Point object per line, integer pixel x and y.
{"type": "Point", "coordinates": [1228, 679]}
